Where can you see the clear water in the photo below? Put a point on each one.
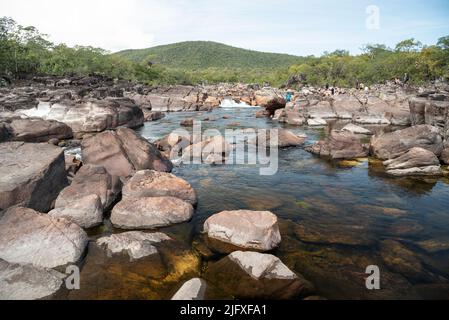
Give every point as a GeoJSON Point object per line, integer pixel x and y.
{"type": "Point", "coordinates": [336, 219]}
{"type": "Point", "coordinates": [354, 209]}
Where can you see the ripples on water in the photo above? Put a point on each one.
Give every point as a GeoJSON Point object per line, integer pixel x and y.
{"type": "Point", "coordinates": [347, 213]}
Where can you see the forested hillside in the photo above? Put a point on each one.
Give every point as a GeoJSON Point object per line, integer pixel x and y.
{"type": "Point", "coordinates": [24, 52]}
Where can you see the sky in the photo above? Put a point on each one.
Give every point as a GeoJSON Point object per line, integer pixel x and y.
{"type": "Point", "coordinates": [296, 27]}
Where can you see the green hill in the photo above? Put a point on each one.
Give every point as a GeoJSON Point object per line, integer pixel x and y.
{"type": "Point", "coordinates": [197, 55]}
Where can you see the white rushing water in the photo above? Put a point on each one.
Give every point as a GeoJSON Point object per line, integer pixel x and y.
{"type": "Point", "coordinates": [229, 103]}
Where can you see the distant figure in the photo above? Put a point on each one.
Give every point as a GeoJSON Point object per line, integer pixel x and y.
{"type": "Point", "coordinates": [406, 78]}
{"type": "Point", "coordinates": [333, 91]}
{"type": "Point", "coordinates": [327, 86]}
{"type": "Point", "coordinates": [288, 96]}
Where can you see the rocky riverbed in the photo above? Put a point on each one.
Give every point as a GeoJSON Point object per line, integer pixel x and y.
{"type": "Point", "coordinates": [92, 174]}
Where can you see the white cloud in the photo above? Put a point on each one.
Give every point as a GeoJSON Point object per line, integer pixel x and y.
{"type": "Point", "coordinates": [110, 24]}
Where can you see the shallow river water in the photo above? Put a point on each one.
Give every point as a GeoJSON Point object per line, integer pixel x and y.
{"type": "Point", "coordinates": [336, 219]}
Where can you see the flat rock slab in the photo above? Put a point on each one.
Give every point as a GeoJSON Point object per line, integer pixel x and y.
{"type": "Point", "coordinates": [150, 213]}
{"type": "Point", "coordinates": [356, 129]}
{"type": "Point", "coordinates": [150, 183]}
{"type": "Point", "coordinates": [38, 130]}
{"type": "Point", "coordinates": [27, 236]}
{"type": "Point", "coordinates": [27, 282]}
{"type": "Point", "coordinates": [194, 289]}
{"type": "Point", "coordinates": [135, 244]}
{"type": "Point", "coordinates": [246, 229]}
{"type": "Point", "coordinates": [416, 161]}
{"type": "Point", "coordinates": [31, 175]}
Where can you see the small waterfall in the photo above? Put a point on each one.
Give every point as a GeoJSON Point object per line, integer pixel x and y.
{"type": "Point", "coordinates": [229, 103]}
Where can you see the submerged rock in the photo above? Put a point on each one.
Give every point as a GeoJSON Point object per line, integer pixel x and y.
{"type": "Point", "coordinates": [27, 236]}
{"type": "Point", "coordinates": [416, 161]}
{"type": "Point", "coordinates": [194, 289]}
{"type": "Point", "coordinates": [150, 213]}
{"type": "Point", "coordinates": [399, 259]}
{"type": "Point", "coordinates": [122, 152]}
{"type": "Point", "coordinates": [257, 230]}
{"type": "Point", "coordinates": [31, 175]}
{"type": "Point", "coordinates": [135, 244]}
{"type": "Point", "coordinates": [27, 282]}
{"type": "Point", "coordinates": [150, 183]}
{"type": "Point", "coordinates": [252, 275]}
{"type": "Point", "coordinates": [394, 144]}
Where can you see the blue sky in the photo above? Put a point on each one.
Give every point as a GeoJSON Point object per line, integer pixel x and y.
{"type": "Point", "coordinates": [288, 26]}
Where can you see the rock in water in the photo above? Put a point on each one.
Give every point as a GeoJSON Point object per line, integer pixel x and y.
{"type": "Point", "coordinates": [252, 275]}
{"type": "Point", "coordinates": [87, 212]}
{"type": "Point", "coordinates": [285, 139]}
{"type": "Point", "coordinates": [339, 145]}
{"type": "Point", "coordinates": [194, 289]}
{"type": "Point", "coordinates": [122, 152]}
{"type": "Point", "coordinates": [31, 175]}
{"type": "Point", "coordinates": [416, 161]}
{"type": "Point", "coordinates": [27, 282]}
{"type": "Point", "coordinates": [150, 183]}
{"type": "Point", "coordinates": [246, 229]}
{"type": "Point", "coordinates": [394, 144]}
{"type": "Point", "coordinates": [135, 244]}
{"type": "Point", "coordinates": [27, 236]}
{"type": "Point", "coordinates": [150, 213]}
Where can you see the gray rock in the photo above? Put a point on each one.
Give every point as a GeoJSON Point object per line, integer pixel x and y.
{"type": "Point", "coordinates": [90, 180]}
{"type": "Point", "coordinates": [194, 289]}
{"type": "Point", "coordinates": [27, 282]}
{"type": "Point", "coordinates": [339, 145]}
{"type": "Point", "coordinates": [257, 230]}
{"type": "Point", "coordinates": [123, 152]}
{"type": "Point", "coordinates": [87, 212]}
{"type": "Point", "coordinates": [31, 175]}
{"type": "Point", "coordinates": [150, 183]}
{"type": "Point", "coordinates": [416, 161]}
{"type": "Point", "coordinates": [27, 236]}
{"type": "Point", "coordinates": [394, 144]}
{"type": "Point", "coordinates": [150, 213]}
{"type": "Point", "coordinates": [135, 244]}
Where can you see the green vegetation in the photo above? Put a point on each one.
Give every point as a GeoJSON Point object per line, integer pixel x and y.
{"type": "Point", "coordinates": [24, 51]}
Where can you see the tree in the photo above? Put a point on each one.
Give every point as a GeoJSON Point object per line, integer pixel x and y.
{"type": "Point", "coordinates": [409, 45]}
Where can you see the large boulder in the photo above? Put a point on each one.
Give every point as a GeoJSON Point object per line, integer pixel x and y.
{"type": "Point", "coordinates": [150, 213]}
{"type": "Point", "coordinates": [416, 161]}
{"type": "Point", "coordinates": [27, 282]}
{"type": "Point", "coordinates": [283, 139]}
{"type": "Point", "coordinates": [246, 229]}
{"type": "Point", "coordinates": [31, 175]}
{"type": "Point", "coordinates": [92, 116]}
{"type": "Point", "coordinates": [252, 275]}
{"type": "Point", "coordinates": [87, 212]}
{"type": "Point", "coordinates": [194, 289]}
{"type": "Point", "coordinates": [135, 244]}
{"type": "Point", "coordinates": [392, 145]}
{"type": "Point", "coordinates": [150, 183]}
{"type": "Point", "coordinates": [38, 130]}
{"type": "Point", "coordinates": [90, 180]}
{"type": "Point", "coordinates": [123, 152]}
{"type": "Point", "coordinates": [27, 236]}
{"type": "Point", "coordinates": [339, 145]}
{"type": "Point", "coordinates": [432, 110]}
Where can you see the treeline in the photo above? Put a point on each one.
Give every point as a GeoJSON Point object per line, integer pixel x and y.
{"type": "Point", "coordinates": [24, 51]}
